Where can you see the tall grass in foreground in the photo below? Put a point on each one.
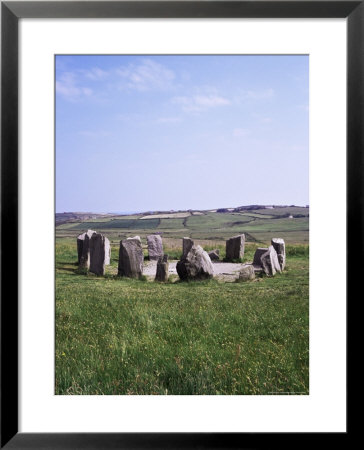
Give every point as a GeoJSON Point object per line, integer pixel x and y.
{"type": "Point", "coordinates": [121, 336]}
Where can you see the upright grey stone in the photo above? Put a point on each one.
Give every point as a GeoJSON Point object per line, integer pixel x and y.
{"type": "Point", "coordinates": [155, 247]}
{"type": "Point", "coordinates": [259, 252]}
{"type": "Point", "coordinates": [131, 258]}
{"type": "Point", "coordinates": [280, 247]}
{"type": "Point", "coordinates": [235, 247]}
{"type": "Point", "coordinates": [187, 244]}
{"type": "Point", "coordinates": [162, 269]}
{"type": "Point", "coordinates": [98, 253]}
{"type": "Point", "coordinates": [83, 249]}
{"type": "Point", "coordinates": [195, 265]}
{"type": "Point", "coordinates": [269, 262]}
{"type": "Point", "coordinates": [247, 273]}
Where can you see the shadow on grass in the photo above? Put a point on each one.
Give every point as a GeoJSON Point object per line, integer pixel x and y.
{"type": "Point", "coordinates": [67, 263]}
{"type": "Point", "coordinates": [194, 282]}
{"type": "Point", "coordinates": [66, 269]}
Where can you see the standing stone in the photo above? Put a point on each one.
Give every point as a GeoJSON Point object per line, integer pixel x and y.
{"type": "Point", "coordinates": [162, 269]}
{"type": "Point", "coordinates": [214, 255]}
{"type": "Point", "coordinates": [131, 258]}
{"type": "Point", "coordinates": [280, 247]}
{"type": "Point", "coordinates": [195, 265]}
{"type": "Point", "coordinates": [269, 262]}
{"type": "Point", "coordinates": [83, 249]}
{"type": "Point", "coordinates": [187, 244]}
{"type": "Point", "coordinates": [247, 273]}
{"type": "Point", "coordinates": [107, 251]}
{"type": "Point", "coordinates": [155, 247]}
{"type": "Point", "coordinates": [98, 253]}
{"type": "Point", "coordinates": [259, 252]}
{"type": "Point", "coordinates": [267, 259]}
{"type": "Point", "coordinates": [235, 247]}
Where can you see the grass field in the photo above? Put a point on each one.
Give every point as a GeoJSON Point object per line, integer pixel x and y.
{"type": "Point", "coordinates": [122, 336]}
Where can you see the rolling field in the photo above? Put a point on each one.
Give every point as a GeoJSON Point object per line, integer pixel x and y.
{"type": "Point", "coordinates": [117, 336]}
{"type": "Point", "coordinates": [257, 225]}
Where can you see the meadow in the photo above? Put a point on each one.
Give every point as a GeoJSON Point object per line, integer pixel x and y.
{"type": "Point", "coordinates": [117, 336]}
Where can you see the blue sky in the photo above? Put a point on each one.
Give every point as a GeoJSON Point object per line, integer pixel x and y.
{"type": "Point", "coordinates": [145, 132]}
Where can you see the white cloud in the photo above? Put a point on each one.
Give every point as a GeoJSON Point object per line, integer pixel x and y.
{"type": "Point", "coordinates": [197, 103]}
{"type": "Point", "coordinates": [96, 74]}
{"type": "Point", "coordinates": [263, 94]}
{"type": "Point", "coordinates": [145, 76]}
{"type": "Point", "coordinates": [260, 95]}
{"type": "Point", "coordinates": [67, 87]}
{"type": "Point", "coordinates": [211, 101]}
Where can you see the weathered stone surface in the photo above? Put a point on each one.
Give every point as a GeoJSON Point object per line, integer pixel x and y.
{"type": "Point", "coordinates": [195, 265]}
{"type": "Point", "coordinates": [162, 269]}
{"type": "Point", "coordinates": [247, 273]}
{"type": "Point", "coordinates": [259, 252]}
{"type": "Point", "coordinates": [83, 249]}
{"type": "Point", "coordinates": [107, 251]}
{"type": "Point", "coordinates": [235, 247]}
{"type": "Point", "coordinates": [98, 253]}
{"type": "Point", "coordinates": [187, 244]}
{"type": "Point", "coordinates": [131, 258]}
{"type": "Point", "coordinates": [214, 255]}
{"type": "Point", "coordinates": [155, 247]}
{"type": "Point", "coordinates": [269, 262]}
{"type": "Point", "coordinates": [135, 237]}
{"type": "Point", "coordinates": [280, 247]}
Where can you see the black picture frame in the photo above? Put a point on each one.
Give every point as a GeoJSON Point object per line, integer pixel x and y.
{"type": "Point", "coordinates": [11, 12]}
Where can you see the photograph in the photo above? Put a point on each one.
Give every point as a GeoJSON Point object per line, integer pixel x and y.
{"type": "Point", "coordinates": [181, 224]}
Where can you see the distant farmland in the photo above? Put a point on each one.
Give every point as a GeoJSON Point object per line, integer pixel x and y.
{"type": "Point", "coordinates": [290, 223]}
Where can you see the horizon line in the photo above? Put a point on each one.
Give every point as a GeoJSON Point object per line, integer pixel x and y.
{"type": "Point", "coordinates": [149, 211]}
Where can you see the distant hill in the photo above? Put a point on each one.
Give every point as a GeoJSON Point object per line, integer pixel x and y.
{"type": "Point", "coordinates": [259, 223]}
{"type": "Point", "coordinates": [76, 216]}
{"type": "Point", "coordinates": [67, 217]}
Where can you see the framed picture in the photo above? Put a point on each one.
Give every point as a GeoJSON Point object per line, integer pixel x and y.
{"type": "Point", "coordinates": [184, 83]}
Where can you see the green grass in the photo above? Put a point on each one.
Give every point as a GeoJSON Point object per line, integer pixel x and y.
{"type": "Point", "coordinates": [294, 210]}
{"type": "Point", "coordinates": [276, 225]}
{"type": "Point", "coordinates": [174, 224]}
{"type": "Point", "coordinates": [121, 336]}
{"type": "Point", "coordinates": [146, 224]}
{"type": "Point", "coordinates": [257, 215]}
{"type": "Point", "coordinates": [215, 221]}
